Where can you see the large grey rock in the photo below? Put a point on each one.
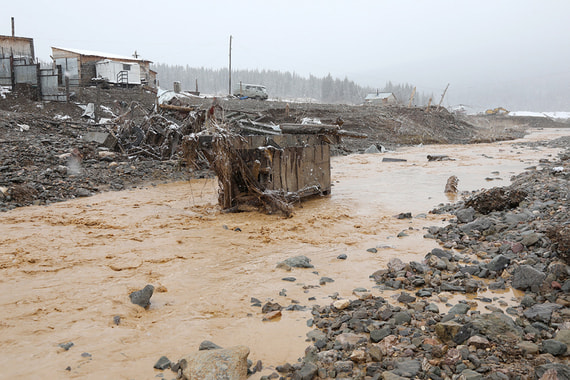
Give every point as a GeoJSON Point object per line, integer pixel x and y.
{"type": "Point", "coordinates": [299, 262]}
{"type": "Point", "coordinates": [379, 334]}
{"type": "Point", "coordinates": [498, 263]}
{"type": "Point", "coordinates": [407, 368]}
{"type": "Point", "coordinates": [497, 327]}
{"type": "Point", "coordinates": [447, 330]}
{"type": "Point", "coordinates": [526, 276]}
{"type": "Point", "coordinates": [528, 347]}
{"type": "Point", "coordinates": [530, 239]}
{"type": "Point", "coordinates": [441, 253]}
{"type": "Point", "coordinates": [229, 363]}
{"type": "Point", "coordinates": [142, 297]}
{"type": "Point", "coordinates": [541, 312]}
{"type": "Point", "coordinates": [162, 363]}
{"type": "Point", "coordinates": [307, 372]}
{"type": "Point", "coordinates": [563, 370]}
{"type": "Point", "coordinates": [459, 309]}
{"type": "Point", "coordinates": [349, 339]}
{"type": "Point", "coordinates": [402, 317]}
{"type": "Point", "coordinates": [469, 374]}
{"type": "Point", "coordinates": [481, 224]}
{"type": "Point", "coordinates": [553, 347]}
{"type": "Point", "coordinates": [465, 215]}
{"type": "Point", "coordinates": [316, 335]}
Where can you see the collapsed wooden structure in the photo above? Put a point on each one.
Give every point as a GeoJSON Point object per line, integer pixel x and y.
{"type": "Point", "coordinates": [271, 170]}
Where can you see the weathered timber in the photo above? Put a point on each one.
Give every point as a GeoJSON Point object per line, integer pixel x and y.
{"type": "Point", "coordinates": [310, 129]}
{"type": "Point", "coordinates": [176, 108]}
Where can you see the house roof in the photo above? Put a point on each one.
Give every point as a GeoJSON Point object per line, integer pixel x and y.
{"type": "Point", "coordinates": [93, 53]}
{"type": "Point", "coordinates": [378, 96]}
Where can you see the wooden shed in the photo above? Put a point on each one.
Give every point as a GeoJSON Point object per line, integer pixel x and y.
{"type": "Point", "coordinates": [269, 168]}
{"type": "Point", "coordinates": [17, 47]}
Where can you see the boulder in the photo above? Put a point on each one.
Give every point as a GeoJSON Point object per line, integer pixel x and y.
{"type": "Point", "coordinates": [498, 263]}
{"type": "Point", "coordinates": [497, 327]}
{"type": "Point", "coordinates": [447, 330]}
{"type": "Point", "coordinates": [229, 363]}
{"type": "Point", "coordinates": [562, 370]}
{"type": "Point", "coordinates": [528, 347]}
{"type": "Point", "coordinates": [142, 297]}
{"type": "Point", "coordinates": [306, 372]}
{"type": "Point", "coordinates": [465, 215]}
{"type": "Point", "coordinates": [460, 308]}
{"type": "Point", "coordinates": [526, 276]}
{"type": "Point", "coordinates": [299, 262]}
{"type": "Point", "coordinates": [541, 312]}
{"type": "Point", "coordinates": [407, 368]}
{"type": "Point", "coordinates": [379, 334]}
{"type": "Point", "coordinates": [553, 347]}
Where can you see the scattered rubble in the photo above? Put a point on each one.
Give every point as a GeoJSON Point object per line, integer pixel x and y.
{"type": "Point", "coordinates": [514, 245]}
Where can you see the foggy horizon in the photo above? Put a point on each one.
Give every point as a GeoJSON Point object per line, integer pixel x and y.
{"type": "Point", "coordinates": [509, 53]}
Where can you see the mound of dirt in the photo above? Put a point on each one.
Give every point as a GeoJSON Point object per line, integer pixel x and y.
{"type": "Point", "coordinates": [46, 157]}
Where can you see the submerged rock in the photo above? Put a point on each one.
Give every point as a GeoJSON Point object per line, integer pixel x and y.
{"type": "Point", "coordinates": [142, 297]}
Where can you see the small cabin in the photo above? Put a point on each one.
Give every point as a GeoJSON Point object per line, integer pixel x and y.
{"type": "Point", "coordinates": [382, 98]}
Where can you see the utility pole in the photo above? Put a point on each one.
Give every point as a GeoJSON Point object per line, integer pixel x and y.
{"type": "Point", "coordinates": [442, 95]}
{"type": "Point", "coordinates": [230, 68]}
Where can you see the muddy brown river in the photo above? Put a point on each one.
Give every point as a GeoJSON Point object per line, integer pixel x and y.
{"type": "Point", "coordinates": [67, 269]}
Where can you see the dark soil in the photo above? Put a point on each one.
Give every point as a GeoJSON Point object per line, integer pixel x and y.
{"type": "Point", "coordinates": [44, 156]}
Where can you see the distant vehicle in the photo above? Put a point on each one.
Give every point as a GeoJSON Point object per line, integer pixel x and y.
{"type": "Point", "coordinates": [497, 111]}
{"type": "Point", "coordinates": [253, 91]}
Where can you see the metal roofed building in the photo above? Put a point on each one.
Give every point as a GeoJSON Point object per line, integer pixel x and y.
{"type": "Point", "coordinates": [80, 65]}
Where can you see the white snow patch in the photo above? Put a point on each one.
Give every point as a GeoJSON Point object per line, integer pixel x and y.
{"type": "Point", "coordinates": [310, 120]}
{"type": "Point", "coordinates": [62, 117]}
{"type": "Point", "coordinates": [108, 110]}
{"type": "Point", "coordinates": [550, 115]}
{"type": "Point", "coordinates": [4, 91]}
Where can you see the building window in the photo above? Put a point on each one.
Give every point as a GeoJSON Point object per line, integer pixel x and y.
{"type": "Point", "coordinates": [126, 67]}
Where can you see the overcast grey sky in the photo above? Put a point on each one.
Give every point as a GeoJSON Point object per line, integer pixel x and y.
{"type": "Point", "coordinates": [467, 43]}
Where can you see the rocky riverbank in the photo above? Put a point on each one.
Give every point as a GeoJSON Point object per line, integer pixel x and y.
{"type": "Point", "coordinates": [512, 237]}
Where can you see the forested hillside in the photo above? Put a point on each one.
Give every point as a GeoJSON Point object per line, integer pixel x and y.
{"type": "Point", "coordinates": [280, 85]}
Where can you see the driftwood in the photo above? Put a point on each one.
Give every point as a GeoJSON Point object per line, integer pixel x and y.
{"type": "Point", "coordinates": [320, 129]}
{"type": "Point", "coordinates": [176, 108]}
{"type": "Point", "coordinates": [310, 129]}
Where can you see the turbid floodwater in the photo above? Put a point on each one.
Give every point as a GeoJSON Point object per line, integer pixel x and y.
{"type": "Point", "coordinates": [67, 269]}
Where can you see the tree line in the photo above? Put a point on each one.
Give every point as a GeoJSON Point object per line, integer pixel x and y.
{"type": "Point", "coordinates": [280, 85]}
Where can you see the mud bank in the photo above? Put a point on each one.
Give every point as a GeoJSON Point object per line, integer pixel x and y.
{"type": "Point", "coordinates": [68, 268]}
